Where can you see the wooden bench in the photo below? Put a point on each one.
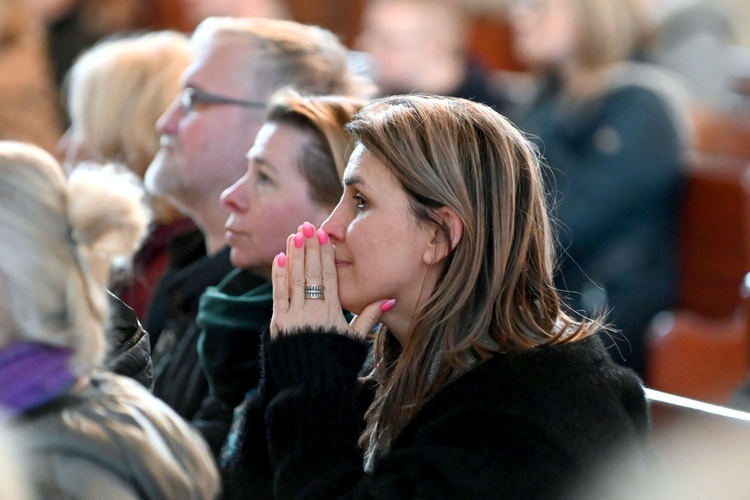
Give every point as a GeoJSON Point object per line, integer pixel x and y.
{"type": "Point", "coordinates": [701, 349]}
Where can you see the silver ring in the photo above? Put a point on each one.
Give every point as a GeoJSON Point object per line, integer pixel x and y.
{"type": "Point", "coordinates": [313, 292]}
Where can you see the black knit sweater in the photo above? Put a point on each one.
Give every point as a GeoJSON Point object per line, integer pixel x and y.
{"type": "Point", "coordinates": [521, 425]}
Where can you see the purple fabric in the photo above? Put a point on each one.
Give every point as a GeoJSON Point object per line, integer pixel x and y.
{"type": "Point", "coordinates": [32, 374]}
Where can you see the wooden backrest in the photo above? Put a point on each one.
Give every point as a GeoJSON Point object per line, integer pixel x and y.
{"type": "Point", "coordinates": [715, 216]}
{"type": "Point", "coordinates": [714, 235]}
{"type": "Point", "coordinates": [722, 133]}
{"type": "Point", "coordinates": [702, 349]}
{"type": "Point", "coordinates": [697, 357]}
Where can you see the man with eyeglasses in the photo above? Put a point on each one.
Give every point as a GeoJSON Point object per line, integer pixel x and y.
{"type": "Point", "coordinates": [205, 136]}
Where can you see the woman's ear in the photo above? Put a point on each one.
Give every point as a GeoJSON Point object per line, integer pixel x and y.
{"type": "Point", "coordinates": [439, 247]}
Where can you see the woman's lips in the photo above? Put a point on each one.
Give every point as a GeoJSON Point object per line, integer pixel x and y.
{"type": "Point", "coordinates": [231, 235]}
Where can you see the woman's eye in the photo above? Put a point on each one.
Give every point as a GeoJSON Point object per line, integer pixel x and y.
{"type": "Point", "coordinates": [263, 177]}
{"type": "Point", "coordinates": [361, 202]}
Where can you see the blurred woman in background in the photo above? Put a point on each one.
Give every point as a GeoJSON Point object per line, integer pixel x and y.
{"type": "Point", "coordinates": [615, 134]}
{"type": "Point", "coordinates": [116, 92]}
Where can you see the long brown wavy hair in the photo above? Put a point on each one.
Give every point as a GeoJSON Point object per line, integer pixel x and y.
{"type": "Point", "coordinates": [496, 291]}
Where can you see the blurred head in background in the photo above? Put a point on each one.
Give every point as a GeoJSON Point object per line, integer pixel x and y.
{"type": "Point", "coordinates": [115, 93]}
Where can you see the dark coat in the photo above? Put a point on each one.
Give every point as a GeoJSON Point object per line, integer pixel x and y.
{"type": "Point", "coordinates": [149, 264]}
{"type": "Point", "coordinates": [520, 425]}
{"type": "Point", "coordinates": [128, 344]}
{"type": "Point", "coordinates": [179, 379]}
{"type": "Point", "coordinates": [111, 439]}
{"type": "Point", "coordinates": [616, 171]}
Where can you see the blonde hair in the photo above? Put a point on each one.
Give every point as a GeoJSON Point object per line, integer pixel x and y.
{"type": "Point", "coordinates": [323, 159]}
{"type": "Point", "coordinates": [610, 31]}
{"type": "Point", "coordinates": [59, 238]}
{"type": "Point", "coordinates": [282, 53]}
{"type": "Point", "coordinates": [118, 89]}
{"type": "Point", "coordinates": [450, 152]}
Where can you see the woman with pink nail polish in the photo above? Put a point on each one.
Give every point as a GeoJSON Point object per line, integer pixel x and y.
{"type": "Point", "coordinates": [483, 383]}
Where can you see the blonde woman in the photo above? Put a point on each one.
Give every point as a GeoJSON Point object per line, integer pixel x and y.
{"type": "Point", "coordinates": [614, 133]}
{"type": "Point", "coordinates": [116, 92]}
{"type": "Point", "coordinates": [90, 434]}
{"type": "Point", "coordinates": [484, 387]}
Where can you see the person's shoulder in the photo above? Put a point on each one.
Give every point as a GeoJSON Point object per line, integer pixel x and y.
{"type": "Point", "coordinates": [575, 368]}
{"type": "Point", "coordinates": [694, 17]}
{"type": "Point", "coordinates": [652, 88]}
{"type": "Point", "coordinates": [121, 428]}
{"type": "Point", "coordinates": [645, 78]}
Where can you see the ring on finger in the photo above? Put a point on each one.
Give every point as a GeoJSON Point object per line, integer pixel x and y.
{"type": "Point", "coordinates": [313, 292]}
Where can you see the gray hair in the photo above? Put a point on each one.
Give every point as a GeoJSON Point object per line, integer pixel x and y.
{"type": "Point", "coordinates": [286, 53]}
{"type": "Point", "coordinates": [59, 239]}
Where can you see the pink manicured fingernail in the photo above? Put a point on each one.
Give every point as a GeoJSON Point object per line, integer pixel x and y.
{"type": "Point", "coordinates": [322, 237]}
{"type": "Point", "coordinates": [388, 305]}
{"type": "Point", "coordinates": [298, 240]}
{"type": "Point", "coordinates": [281, 259]}
{"type": "Point", "coordinates": [308, 230]}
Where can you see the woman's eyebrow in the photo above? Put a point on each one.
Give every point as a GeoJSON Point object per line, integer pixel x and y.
{"type": "Point", "coordinates": [353, 179]}
{"type": "Point", "coordinates": [259, 160]}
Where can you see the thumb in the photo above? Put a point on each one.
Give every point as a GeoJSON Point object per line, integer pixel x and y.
{"type": "Point", "coordinates": [370, 316]}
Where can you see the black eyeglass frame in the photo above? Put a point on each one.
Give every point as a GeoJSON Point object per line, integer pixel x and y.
{"type": "Point", "coordinates": [191, 97]}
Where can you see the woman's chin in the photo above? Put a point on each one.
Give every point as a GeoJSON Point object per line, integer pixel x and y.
{"type": "Point", "coordinates": [349, 305]}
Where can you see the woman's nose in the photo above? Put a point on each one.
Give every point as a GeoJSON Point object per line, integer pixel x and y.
{"type": "Point", "coordinates": [233, 197]}
{"type": "Point", "coordinates": [333, 225]}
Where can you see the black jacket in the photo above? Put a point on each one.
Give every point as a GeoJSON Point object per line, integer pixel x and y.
{"type": "Point", "coordinates": [520, 425]}
{"type": "Point", "coordinates": [179, 379]}
{"type": "Point", "coordinates": [128, 345]}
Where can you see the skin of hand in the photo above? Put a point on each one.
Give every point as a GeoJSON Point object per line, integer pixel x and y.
{"type": "Point", "coordinates": [309, 260]}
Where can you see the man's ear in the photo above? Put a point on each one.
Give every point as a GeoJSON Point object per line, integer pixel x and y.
{"type": "Point", "coordinates": [439, 247]}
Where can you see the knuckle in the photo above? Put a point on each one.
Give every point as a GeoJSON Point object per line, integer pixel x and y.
{"type": "Point", "coordinates": [313, 273]}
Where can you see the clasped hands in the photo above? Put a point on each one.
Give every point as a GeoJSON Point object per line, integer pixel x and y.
{"type": "Point", "coordinates": [309, 263]}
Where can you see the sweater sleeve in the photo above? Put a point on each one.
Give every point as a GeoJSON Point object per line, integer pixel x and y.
{"type": "Point", "coordinates": [308, 394]}
{"type": "Point", "coordinates": [315, 418]}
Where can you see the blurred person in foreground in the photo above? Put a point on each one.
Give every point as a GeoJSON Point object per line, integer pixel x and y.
{"type": "Point", "coordinates": [205, 137]}
{"type": "Point", "coordinates": [90, 434]}
{"type": "Point", "coordinates": [14, 463]}
{"type": "Point", "coordinates": [615, 134]}
{"type": "Point", "coordinates": [701, 456]}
